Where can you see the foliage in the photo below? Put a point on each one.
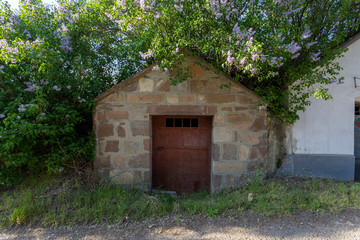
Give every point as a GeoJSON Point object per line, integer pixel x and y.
{"type": "Point", "coordinates": [55, 59]}
{"type": "Point", "coordinates": [266, 45]}
{"type": "Point", "coordinates": [58, 200]}
{"type": "Point", "coordinates": [53, 62]}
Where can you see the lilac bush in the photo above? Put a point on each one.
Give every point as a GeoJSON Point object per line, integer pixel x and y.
{"type": "Point", "coordinates": [266, 45]}
{"type": "Point", "coordinates": [50, 66]}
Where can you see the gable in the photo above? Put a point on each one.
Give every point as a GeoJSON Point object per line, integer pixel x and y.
{"type": "Point", "coordinates": [204, 78]}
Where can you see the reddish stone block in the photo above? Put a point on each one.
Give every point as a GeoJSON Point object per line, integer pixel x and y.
{"type": "Point", "coordinates": [140, 128]}
{"type": "Point", "coordinates": [187, 98]}
{"type": "Point", "coordinates": [241, 126]}
{"type": "Point", "coordinates": [215, 85]}
{"type": "Point", "coordinates": [250, 138]}
{"type": "Point", "coordinates": [165, 87]}
{"type": "Point", "coordinates": [105, 130]}
{"type": "Point", "coordinates": [212, 110]}
{"type": "Point", "coordinates": [112, 146]}
{"type": "Point", "coordinates": [248, 99]}
{"type": "Point", "coordinates": [196, 71]}
{"type": "Point", "coordinates": [197, 86]}
{"type": "Point", "coordinates": [121, 98]}
{"type": "Point", "coordinates": [121, 131]}
{"type": "Point", "coordinates": [241, 108]}
{"type": "Point", "coordinates": [138, 173]}
{"type": "Point", "coordinates": [132, 87]}
{"type": "Point", "coordinates": [146, 143]}
{"type": "Point", "coordinates": [102, 161]}
{"type": "Point", "coordinates": [226, 109]}
{"type": "Point", "coordinates": [259, 124]}
{"type": "Point", "coordinates": [259, 153]}
{"type": "Point", "coordinates": [217, 98]}
{"type": "Point", "coordinates": [146, 98]}
{"type": "Point", "coordinates": [238, 118]}
{"type": "Point", "coordinates": [140, 161]}
{"type": "Point", "coordinates": [116, 115]}
{"type": "Point", "coordinates": [98, 117]}
{"type": "Point", "coordinates": [109, 98]}
{"type": "Point", "coordinates": [119, 161]}
{"type": "Point", "coordinates": [230, 152]}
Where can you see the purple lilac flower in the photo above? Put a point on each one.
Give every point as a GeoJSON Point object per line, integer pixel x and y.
{"type": "Point", "coordinates": [340, 82]}
{"type": "Point", "coordinates": [165, 70]}
{"type": "Point", "coordinates": [292, 47]}
{"type": "Point", "coordinates": [276, 73]}
{"type": "Point", "coordinates": [120, 22]}
{"type": "Point", "coordinates": [109, 16]}
{"type": "Point", "coordinates": [315, 56]}
{"type": "Point", "coordinates": [42, 114]}
{"type": "Point", "coordinates": [18, 117]}
{"type": "Point", "coordinates": [157, 15]}
{"type": "Point", "coordinates": [179, 8]}
{"type": "Point", "coordinates": [64, 29]}
{"type": "Point", "coordinates": [56, 88]}
{"type": "Point", "coordinates": [242, 61]}
{"type": "Point", "coordinates": [230, 38]}
{"type": "Point", "coordinates": [67, 115]}
{"type": "Point", "coordinates": [2, 67]}
{"type": "Point", "coordinates": [30, 87]}
{"type": "Point", "coordinates": [28, 35]}
{"type": "Point", "coordinates": [263, 58]}
{"type": "Point", "coordinates": [295, 56]}
{"type": "Point", "coordinates": [229, 58]}
{"type": "Point", "coordinates": [306, 34]}
{"type": "Point", "coordinates": [218, 15]}
{"type": "Point", "coordinates": [175, 51]}
{"type": "Point", "coordinates": [65, 43]}
{"type": "Point", "coordinates": [145, 56]}
{"type": "Point", "coordinates": [292, 11]}
{"type": "Point", "coordinates": [254, 70]}
{"type": "Point", "coordinates": [68, 87]}
{"type": "Point", "coordinates": [255, 56]}
{"type": "Point", "coordinates": [2, 115]}
{"type": "Point", "coordinates": [250, 42]}
{"type": "Point", "coordinates": [156, 68]}
{"type": "Point", "coordinates": [84, 72]}
{"type": "Point", "coordinates": [310, 44]}
{"type": "Point", "coordinates": [44, 82]}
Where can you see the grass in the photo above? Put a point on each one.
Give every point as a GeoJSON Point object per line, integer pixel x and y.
{"type": "Point", "coordinates": [58, 201]}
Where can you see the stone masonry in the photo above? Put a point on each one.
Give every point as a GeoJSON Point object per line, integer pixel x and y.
{"type": "Point", "coordinates": [122, 123]}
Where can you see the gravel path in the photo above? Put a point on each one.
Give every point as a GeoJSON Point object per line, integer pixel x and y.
{"type": "Point", "coordinates": [340, 226]}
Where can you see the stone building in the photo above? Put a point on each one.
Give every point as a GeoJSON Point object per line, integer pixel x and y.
{"type": "Point", "coordinates": [206, 132]}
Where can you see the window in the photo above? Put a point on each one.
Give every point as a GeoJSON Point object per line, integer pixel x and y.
{"type": "Point", "coordinates": [182, 122]}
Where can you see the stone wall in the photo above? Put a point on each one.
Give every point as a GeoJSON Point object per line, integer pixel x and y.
{"type": "Point", "coordinates": [122, 123]}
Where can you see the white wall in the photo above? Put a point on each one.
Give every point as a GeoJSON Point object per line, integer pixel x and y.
{"type": "Point", "coordinates": [327, 127]}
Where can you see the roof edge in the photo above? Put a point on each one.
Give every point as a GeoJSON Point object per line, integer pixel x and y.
{"type": "Point", "coordinates": [351, 40]}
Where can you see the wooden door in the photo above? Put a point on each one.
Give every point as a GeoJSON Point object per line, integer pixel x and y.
{"type": "Point", "coordinates": [181, 153]}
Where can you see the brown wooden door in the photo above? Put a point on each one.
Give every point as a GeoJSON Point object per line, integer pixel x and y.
{"type": "Point", "coordinates": [181, 153]}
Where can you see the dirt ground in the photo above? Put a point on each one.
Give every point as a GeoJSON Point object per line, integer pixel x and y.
{"type": "Point", "coordinates": [305, 225]}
